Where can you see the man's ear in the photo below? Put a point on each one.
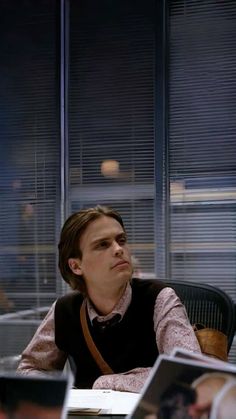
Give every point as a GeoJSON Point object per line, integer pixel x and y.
{"type": "Point", "coordinates": [74, 265]}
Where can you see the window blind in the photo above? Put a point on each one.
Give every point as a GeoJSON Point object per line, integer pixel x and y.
{"type": "Point", "coordinates": [202, 142]}
{"type": "Point", "coordinates": [29, 167]}
{"type": "Point", "coordinates": [111, 114]}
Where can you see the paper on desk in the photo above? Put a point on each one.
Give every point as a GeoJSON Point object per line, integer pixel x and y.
{"type": "Point", "coordinates": [101, 401]}
{"type": "Point", "coordinates": [124, 402]}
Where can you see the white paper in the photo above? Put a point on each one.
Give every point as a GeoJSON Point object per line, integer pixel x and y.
{"type": "Point", "coordinates": [101, 401]}
{"type": "Point", "coordinates": [124, 402]}
{"type": "Point", "coordinates": [194, 356]}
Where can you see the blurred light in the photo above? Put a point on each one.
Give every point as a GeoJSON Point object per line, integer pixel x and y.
{"type": "Point", "coordinates": [110, 168]}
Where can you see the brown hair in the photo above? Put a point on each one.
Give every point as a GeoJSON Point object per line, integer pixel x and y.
{"type": "Point", "coordinates": [69, 244]}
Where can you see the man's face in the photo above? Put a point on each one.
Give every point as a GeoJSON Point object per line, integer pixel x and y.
{"type": "Point", "coordinates": [106, 260]}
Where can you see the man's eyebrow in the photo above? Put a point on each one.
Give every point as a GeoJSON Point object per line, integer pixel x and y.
{"type": "Point", "coordinates": [99, 239]}
{"type": "Point", "coordinates": [123, 234]}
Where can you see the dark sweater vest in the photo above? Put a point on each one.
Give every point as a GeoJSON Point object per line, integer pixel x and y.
{"type": "Point", "coordinates": [129, 344]}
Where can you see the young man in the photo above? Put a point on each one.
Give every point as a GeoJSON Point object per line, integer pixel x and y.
{"type": "Point", "coordinates": [131, 320]}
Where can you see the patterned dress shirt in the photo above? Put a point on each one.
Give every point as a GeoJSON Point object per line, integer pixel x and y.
{"type": "Point", "coordinates": [171, 326]}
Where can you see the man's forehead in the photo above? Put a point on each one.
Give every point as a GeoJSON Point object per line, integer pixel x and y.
{"type": "Point", "coordinates": [102, 227]}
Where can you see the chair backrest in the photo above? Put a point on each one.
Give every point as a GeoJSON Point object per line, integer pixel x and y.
{"type": "Point", "coordinates": [9, 363]}
{"type": "Point", "coordinates": [207, 305]}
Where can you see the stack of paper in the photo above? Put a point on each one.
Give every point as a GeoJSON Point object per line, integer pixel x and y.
{"type": "Point", "coordinates": [101, 402]}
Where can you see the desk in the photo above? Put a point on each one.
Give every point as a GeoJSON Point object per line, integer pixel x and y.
{"type": "Point", "coordinates": [109, 403]}
{"type": "Point", "coordinates": [95, 417]}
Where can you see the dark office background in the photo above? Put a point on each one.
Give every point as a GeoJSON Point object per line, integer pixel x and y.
{"type": "Point", "coordinates": [128, 103]}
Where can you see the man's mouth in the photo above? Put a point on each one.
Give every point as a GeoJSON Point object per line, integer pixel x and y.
{"type": "Point", "coordinates": [120, 263]}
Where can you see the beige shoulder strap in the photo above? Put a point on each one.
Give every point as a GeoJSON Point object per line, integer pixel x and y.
{"type": "Point", "coordinates": [104, 367]}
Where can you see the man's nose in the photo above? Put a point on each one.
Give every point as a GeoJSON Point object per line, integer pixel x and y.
{"type": "Point", "coordinates": [118, 249]}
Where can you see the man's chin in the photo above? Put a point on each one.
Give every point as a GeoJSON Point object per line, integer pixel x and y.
{"type": "Point", "coordinates": [125, 275]}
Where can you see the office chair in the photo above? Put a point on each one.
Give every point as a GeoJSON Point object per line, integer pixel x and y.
{"type": "Point", "coordinates": [207, 305]}
{"type": "Point", "coordinates": [9, 363]}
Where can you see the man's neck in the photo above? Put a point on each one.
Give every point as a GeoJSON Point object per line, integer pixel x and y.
{"type": "Point", "coordinates": [104, 302]}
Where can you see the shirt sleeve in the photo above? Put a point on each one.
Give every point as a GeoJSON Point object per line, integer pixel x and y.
{"type": "Point", "coordinates": [171, 324]}
{"type": "Point", "coordinates": [132, 380]}
{"type": "Point", "coordinates": [42, 356]}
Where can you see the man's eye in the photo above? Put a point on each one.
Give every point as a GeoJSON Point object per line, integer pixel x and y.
{"type": "Point", "coordinates": [122, 240]}
{"type": "Point", "coordinates": [103, 244]}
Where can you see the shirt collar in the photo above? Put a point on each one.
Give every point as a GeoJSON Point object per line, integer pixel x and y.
{"type": "Point", "coordinates": [120, 308]}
